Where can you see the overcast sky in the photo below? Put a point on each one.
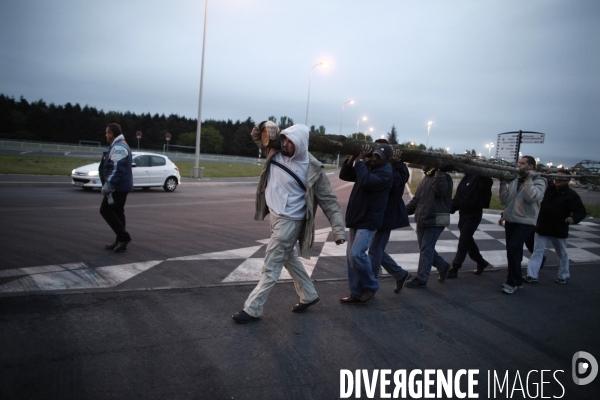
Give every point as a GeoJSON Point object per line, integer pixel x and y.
{"type": "Point", "coordinates": [475, 68]}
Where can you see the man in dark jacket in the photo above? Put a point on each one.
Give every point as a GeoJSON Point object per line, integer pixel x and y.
{"type": "Point", "coordinates": [364, 216]}
{"type": "Point", "coordinates": [560, 208]}
{"type": "Point", "coordinates": [473, 194]}
{"type": "Point", "coordinates": [395, 217]}
{"type": "Point", "coordinates": [431, 206]}
{"type": "Point", "coordinates": [117, 181]}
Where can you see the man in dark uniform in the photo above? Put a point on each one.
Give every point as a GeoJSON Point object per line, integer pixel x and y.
{"type": "Point", "coordinates": [473, 194]}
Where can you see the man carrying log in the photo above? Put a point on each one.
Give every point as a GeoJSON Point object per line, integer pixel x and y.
{"type": "Point", "coordinates": [291, 185]}
{"type": "Point", "coordinates": [522, 198]}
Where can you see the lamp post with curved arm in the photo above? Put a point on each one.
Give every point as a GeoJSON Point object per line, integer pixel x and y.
{"type": "Point", "coordinates": [489, 147]}
{"type": "Point", "coordinates": [199, 124]}
{"type": "Point", "coordinates": [324, 64]}
{"type": "Point", "coordinates": [342, 117]}
{"type": "Point", "coordinates": [364, 119]}
{"type": "Point", "coordinates": [428, 129]}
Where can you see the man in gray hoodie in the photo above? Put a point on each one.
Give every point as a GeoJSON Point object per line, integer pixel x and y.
{"type": "Point", "coordinates": [522, 198]}
{"type": "Point", "coordinates": [291, 185]}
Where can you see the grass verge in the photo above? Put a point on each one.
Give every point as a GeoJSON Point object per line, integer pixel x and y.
{"type": "Point", "coordinates": [49, 165]}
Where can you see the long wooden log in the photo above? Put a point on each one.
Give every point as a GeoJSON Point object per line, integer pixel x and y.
{"type": "Point", "coordinates": [337, 144]}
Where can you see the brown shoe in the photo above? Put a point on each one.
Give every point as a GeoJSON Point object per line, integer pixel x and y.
{"type": "Point", "coordinates": [367, 295]}
{"type": "Point", "coordinates": [352, 299]}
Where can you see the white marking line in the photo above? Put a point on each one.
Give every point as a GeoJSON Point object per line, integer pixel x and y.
{"type": "Point", "coordinates": [85, 278]}
{"type": "Point", "coordinates": [41, 270]}
{"type": "Point", "coordinates": [221, 255]}
{"type": "Point", "coordinates": [251, 270]}
{"type": "Point", "coordinates": [25, 152]}
{"type": "Point", "coordinates": [67, 153]}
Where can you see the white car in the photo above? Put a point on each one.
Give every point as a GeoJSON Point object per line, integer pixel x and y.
{"type": "Point", "coordinates": [149, 170]}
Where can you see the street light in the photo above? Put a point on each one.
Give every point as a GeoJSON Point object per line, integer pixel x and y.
{"type": "Point", "coordinates": [366, 131]}
{"type": "Point", "coordinates": [199, 125]}
{"type": "Point", "coordinates": [428, 128]}
{"type": "Point", "coordinates": [342, 117]}
{"type": "Point", "coordinates": [324, 64]}
{"type": "Point", "coordinates": [447, 150]}
{"type": "Point", "coordinates": [489, 146]}
{"type": "Point", "coordinates": [364, 119]}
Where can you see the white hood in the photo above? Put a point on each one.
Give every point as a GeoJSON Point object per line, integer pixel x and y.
{"type": "Point", "coordinates": [298, 134]}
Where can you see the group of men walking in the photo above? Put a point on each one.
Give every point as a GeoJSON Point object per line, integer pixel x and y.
{"type": "Point", "coordinates": [293, 183]}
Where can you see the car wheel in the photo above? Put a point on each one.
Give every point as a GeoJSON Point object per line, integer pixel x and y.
{"type": "Point", "coordinates": [170, 184]}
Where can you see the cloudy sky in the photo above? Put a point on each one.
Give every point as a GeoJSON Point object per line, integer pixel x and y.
{"type": "Point", "coordinates": [475, 68]}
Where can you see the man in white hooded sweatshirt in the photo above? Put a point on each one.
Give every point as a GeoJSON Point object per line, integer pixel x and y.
{"type": "Point", "coordinates": [291, 185]}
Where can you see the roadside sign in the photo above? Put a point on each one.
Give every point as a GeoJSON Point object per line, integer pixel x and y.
{"type": "Point", "coordinates": [532, 138]}
{"type": "Point", "coordinates": [138, 134]}
{"type": "Point", "coordinates": [509, 143]}
{"type": "Point", "coordinates": [168, 136]}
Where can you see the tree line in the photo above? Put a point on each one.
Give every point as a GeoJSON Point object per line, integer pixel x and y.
{"type": "Point", "coordinates": [71, 123]}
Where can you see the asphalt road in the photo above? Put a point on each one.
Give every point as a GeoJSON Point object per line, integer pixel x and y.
{"type": "Point", "coordinates": [167, 334]}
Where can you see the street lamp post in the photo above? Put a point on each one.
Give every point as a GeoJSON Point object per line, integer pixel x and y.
{"type": "Point", "coordinates": [324, 64]}
{"type": "Point", "coordinates": [342, 117]}
{"type": "Point", "coordinates": [489, 147]}
{"type": "Point", "coordinates": [364, 119]}
{"type": "Point", "coordinates": [428, 129]}
{"type": "Point", "coordinates": [199, 125]}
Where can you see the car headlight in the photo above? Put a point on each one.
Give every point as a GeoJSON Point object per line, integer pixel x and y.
{"type": "Point", "coordinates": [73, 172]}
{"type": "Point", "coordinates": [93, 173]}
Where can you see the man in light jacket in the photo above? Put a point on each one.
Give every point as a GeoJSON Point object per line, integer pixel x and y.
{"type": "Point", "coordinates": [117, 181]}
{"type": "Point", "coordinates": [292, 184]}
{"type": "Point", "coordinates": [522, 198]}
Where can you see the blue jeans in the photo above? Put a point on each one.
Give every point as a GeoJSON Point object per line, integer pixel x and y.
{"type": "Point", "coordinates": [380, 258]}
{"type": "Point", "coordinates": [428, 257]}
{"type": "Point", "coordinates": [516, 235]}
{"type": "Point", "coordinates": [535, 262]}
{"type": "Point", "coordinates": [360, 272]}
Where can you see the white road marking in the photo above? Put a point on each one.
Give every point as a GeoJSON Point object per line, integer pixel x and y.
{"type": "Point", "coordinates": [221, 255]}
{"type": "Point", "coordinates": [78, 278]}
{"type": "Point", "coordinates": [25, 152]}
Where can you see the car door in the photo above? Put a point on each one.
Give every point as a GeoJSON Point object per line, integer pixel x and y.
{"type": "Point", "coordinates": [141, 170]}
{"type": "Point", "coordinates": [158, 170]}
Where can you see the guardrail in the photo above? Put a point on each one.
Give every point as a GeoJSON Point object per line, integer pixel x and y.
{"type": "Point", "coordinates": [93, 149]}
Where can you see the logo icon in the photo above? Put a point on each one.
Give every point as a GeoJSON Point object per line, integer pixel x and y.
{"type": "Point", "coordinates": [579, 367]}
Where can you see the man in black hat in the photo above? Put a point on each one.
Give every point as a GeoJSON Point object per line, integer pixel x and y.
{"type": "Point", "coordinates": [364, 216]}
{"type": "Point", "coordinates": [395, 217]}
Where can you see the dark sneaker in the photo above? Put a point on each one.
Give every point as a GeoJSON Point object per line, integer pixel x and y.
{"type": "Point", "coordinates": [453, 273]}
{"type": "Point", "coordinates": [401, 282]}
{"type": "Point", "coordinates": [559, 280]}
{"type": "Point", "coordinates": [367, 295]}
{"type": "Point", "coordinates": [415, 283]}
{"type": "Point", "coordinates": [303, 307]}
{"type": "Point", "coordinates": [122, 246]}
{"type": "Point", "coordinates": [352, 299]}
{"type": "Point", "coordinates": [480, 269]}
{"type": "Point", "coordinates": [111, 246]}
{"type": "Point", "coordinates": [444, 274]}
{"type": "Point", "coordinates": [529, 279]}
{"type": "Point", "coordinates": [243, 317]}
